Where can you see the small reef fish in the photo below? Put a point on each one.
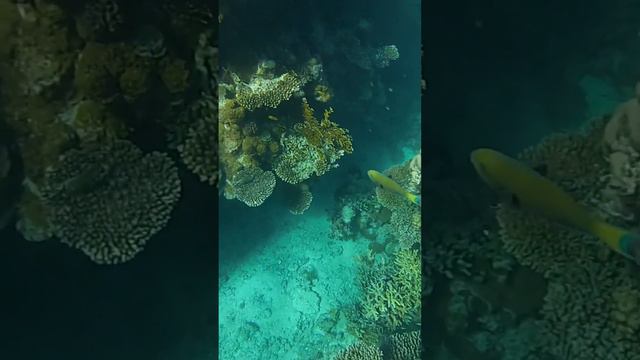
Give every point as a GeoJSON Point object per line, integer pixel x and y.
{"type": "Point", "coordinates": [272, 118]}
{"type": "Point", "coordinates": [529, 190]}
{"type": "Point", "coordinates": [388, 184]}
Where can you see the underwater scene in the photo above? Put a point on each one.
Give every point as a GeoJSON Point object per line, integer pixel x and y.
{"type": "Point", "coordinates": [320, 180]}
{"type": "Point", "coordinates": [108, 173]}
{"type": "Point", "coordinates": [531, 120]}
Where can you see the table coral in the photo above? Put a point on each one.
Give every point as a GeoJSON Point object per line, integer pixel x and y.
{"type": "Point", "coordinates": [108, 201]}
{"type": "Point", "coordinates": [261, 92]}
{"type": "Point", "coordinates": [252, 185]}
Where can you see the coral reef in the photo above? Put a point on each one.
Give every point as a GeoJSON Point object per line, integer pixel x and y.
{"type": "Point", "coordinates": [109, 200]}
{"type": "Point", "coordinates": [80, 83]}
{"type": "Point", "coordinates": [405, 216]}
{"type": "Point", "coordinates": [315, 147]}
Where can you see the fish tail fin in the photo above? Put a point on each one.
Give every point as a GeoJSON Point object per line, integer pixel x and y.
{"type": "Point", "coordinates": [416, 199]}
{"type": "Point", "coordinates": [620, 240]}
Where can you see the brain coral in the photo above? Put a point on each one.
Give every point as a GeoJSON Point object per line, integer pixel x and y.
{"type": "Point", "coordinates": [405, 346]}
{"type": "Point", "coordinates": [360, 351]}
{"type": "Point", "coordinates": [109, 200]}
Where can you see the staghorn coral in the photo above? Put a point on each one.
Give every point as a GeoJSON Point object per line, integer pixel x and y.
{"type": "Point", "coordinates": [261, 92]}
{"type": "Point", "coordinates": [575, 162]}
{"type": "Point", "coordinates": [313, 148]}
{"type": "Point", "coordinates": [252, 185]}
{"type": "Point", "coordinates": [324, 133]}
{"type": "Point", "coordinates": [360, 351]}
{"type": "Point", "coordinates": [391, 292]}
{"type": "Point", "coordinates": [109, 200]}
{"type": "Point", "coordinates": [405, 346]}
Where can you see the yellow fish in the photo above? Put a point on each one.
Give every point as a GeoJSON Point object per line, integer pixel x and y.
{"type": "Point", "coordinates": [531, 191]}
{"type": "Point", "coordinates": [388, 184]}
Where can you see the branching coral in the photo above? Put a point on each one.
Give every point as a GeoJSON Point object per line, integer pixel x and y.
{"type": "Point", "coordinates": [314, 148]}
{"type": "Point", "coordinates": [391, 292]}
{"type": "Point", "coordinates": [109, 200]}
